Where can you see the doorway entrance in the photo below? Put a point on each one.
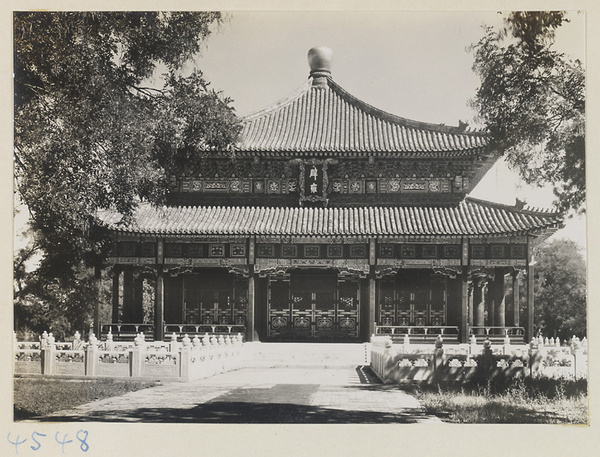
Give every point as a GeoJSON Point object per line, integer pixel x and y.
{"type": "Point", "coordinates": [313, 306]}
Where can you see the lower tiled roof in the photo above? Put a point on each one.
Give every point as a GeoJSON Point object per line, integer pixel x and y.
{"type": "Point", "coordinates": [470, 217]}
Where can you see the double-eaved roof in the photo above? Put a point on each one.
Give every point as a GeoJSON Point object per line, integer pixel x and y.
{"type": "Point", "coordinates": [324, 118]}
{"type": "Point", "coordinates": [471, 217]}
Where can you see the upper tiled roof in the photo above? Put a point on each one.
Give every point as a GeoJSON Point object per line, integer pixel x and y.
{"type": "Point", "coordinates": [326, 118]}
{"type": "Point", "coordinates": [470, 217]}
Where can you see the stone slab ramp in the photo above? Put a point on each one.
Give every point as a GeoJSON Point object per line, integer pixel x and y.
{"type": "Point", "coordinates": [265, 355]}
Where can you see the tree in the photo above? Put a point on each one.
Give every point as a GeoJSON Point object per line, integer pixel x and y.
{"type": "Point", "coordinates": [532, 101]}
{"type": "Point", "coordinates": [91, 135]}
{"type": "Point", "coordinates": [560, 289]}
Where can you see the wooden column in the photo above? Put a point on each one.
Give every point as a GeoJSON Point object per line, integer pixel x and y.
{"type": "Point", "coordinates": [464, 308]}
{"type": "Point", "coordinates": [478, 304]}
{"type": "Point", "coordinates": [471, 287]}
{"type": "Point", "coordinates": [530, 305]}
{"type": "Point", "coordinates": [115, 293]}
{"type": "Point", "coordinates": [372, 286]}
{"type": "Point", "coordinates": [98, 284]}
{"type": "Point", "coordinates": [372, 302]}
{"type": "Point", "coordinates": [491, 302]}
{"type": "Point", "coordinates": [128, 315]}
{"type": "Point", "coordinates": [138, 298]}
{"type": "Point", "coordinates": [159, 306]}
{"type": "Point", "coordinates": [251, 294]}
{"type": "Point", "coordinates": [516, 297]}
{"type": "Point", "coordinates": [500, 298]}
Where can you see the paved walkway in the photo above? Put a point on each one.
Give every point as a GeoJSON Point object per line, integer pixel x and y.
{"type": "Point", "coordinates": [258, 395]}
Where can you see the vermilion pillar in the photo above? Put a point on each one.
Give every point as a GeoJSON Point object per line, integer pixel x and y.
{"type": "Point", "coordinates": [159, 306]}
{"type": "Point", "coordinates": [500, 298]}
{"type": "Point", "coordinates": [115, 293]}
{"type": "Point", "coordinates": [516, 297]}
{"type": "Point", "coordinates": [478, 304]}
{"type": "Point", "coordinates": [464, 311]}
{"type": "Point", "coordinates": [98, 280]}
{"type": "Point", "coordinates": [530, 308]}
{"type": "Point", "coordinates": [251, 300]}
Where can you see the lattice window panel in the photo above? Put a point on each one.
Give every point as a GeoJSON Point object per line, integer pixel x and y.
{"type": "Point", "coordinates": [387, 297]}
{"type": "Point", "coordinates": [325, 300]}
{"type": "Point", "coordinates": [437, 308]}
{"type": "Point", "coordinates": [301, 300]}
{"type": "Point", "coordinates": [348, 292]}
{"type": "Point", "coordinates": [280, 295]}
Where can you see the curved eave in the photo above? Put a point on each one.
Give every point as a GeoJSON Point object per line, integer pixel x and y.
{"type": "Point", "coordinates": [471, 217]}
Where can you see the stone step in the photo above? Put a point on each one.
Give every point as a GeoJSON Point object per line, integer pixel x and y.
{"type": "Point", "coordinates": [306, 354]}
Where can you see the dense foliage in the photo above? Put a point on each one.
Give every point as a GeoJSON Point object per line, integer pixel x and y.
{"type": "Point", "coordinates": [560, 290]}
{"type": "Point", "coordinates": [532, 100]}
{"type": "Point", "coordinates": [91, 133]}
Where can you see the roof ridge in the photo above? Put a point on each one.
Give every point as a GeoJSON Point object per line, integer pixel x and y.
{"type": "Point", "coordinates": [542, 211]}
{"type": "Point", "coordinates": [282, 102]}
{"type": "Point", "coordinates": [390, 117]}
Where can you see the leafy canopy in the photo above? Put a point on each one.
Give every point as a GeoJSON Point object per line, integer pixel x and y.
{"type": "Point", "coordinates": [532, 101]}
{"type": "Point", "coordinates": [90, 135]}
{"type": "Point", "coordinates": [560, 289]}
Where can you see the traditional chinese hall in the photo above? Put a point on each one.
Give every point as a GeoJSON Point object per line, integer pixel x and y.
{"type": "Point", "coordinates": [332, 221]}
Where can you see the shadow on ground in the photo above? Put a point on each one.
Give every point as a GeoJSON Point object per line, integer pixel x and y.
{"type": "Point", "coordinates": [246, 413]}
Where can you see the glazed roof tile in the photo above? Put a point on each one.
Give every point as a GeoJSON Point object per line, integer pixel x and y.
{"type": "Point", "coordinates": [470, 217]}
{"type": "Point", "coordinates": [325, 118]}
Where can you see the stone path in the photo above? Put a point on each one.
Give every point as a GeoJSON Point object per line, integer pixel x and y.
{"type": "Point", "coordinates": [259, 395]}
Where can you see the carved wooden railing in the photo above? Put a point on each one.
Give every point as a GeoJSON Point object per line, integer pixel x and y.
{"type": "Point", "coordinates": [416, 333]}
{"type": "Point", "coordinates": [128, 331]}
{"type": "Point", "coordinates": [498, 333]}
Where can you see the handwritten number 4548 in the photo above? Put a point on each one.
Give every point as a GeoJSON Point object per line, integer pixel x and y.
{"type": "Point", "coordinates": [37, 440]}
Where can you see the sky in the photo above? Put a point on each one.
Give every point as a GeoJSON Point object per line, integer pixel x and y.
{"type": "Point", "coordinates": [412, 64]}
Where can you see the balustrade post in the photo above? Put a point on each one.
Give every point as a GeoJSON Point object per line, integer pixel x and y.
{"type": "Point", "coordinates": [386, 359]}
{"type": "Point", "coordinates": [47, 349]}
{"type": "Point", "coordinates": [506, 347]}
{"type": "Point", "coordinates": [91, 356]}
{"type": "Point", "coordinates": [487, 359]}
{"type": "Point", "coordinates": [577, 353]}
{"type": "Point", "coordinates": [184, 358]}
{"type": "Point", "coordinates": [438, 354]}
{"type": "Point", "coordinates": [534, 357]}
{"type": "Point", "coordinates": [473, 345]}
{"type": "Point", "coordinates": [137, 357]}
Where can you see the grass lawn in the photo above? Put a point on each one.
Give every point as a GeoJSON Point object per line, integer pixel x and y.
{"type": "Point", "coordinates": [531, 401]}
{"type": "Point", "coordinates": [38, 396]}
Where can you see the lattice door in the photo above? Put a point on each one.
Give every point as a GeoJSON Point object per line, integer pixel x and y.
{"type": "Point", "coordinates": [348, 308]}
{"type": "Point", "coordinates": [437, 307]}
{"type": "Point", "coordinates": [279, 306]}
{"type": "Point", "coordinates": [387, 308]}
{"type": "Point", "coordinates": [240, 308]}
{"type": "Point", "coordinates": [324, 313]}
{"type": "Point", "coordinates": [302, 314]}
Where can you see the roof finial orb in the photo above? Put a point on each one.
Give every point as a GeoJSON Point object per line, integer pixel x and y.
{"type": "Point", "coordinates": [319, 60]}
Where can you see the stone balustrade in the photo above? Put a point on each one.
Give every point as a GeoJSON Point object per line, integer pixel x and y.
{"type": "Point", "coordinates": [406, 362]}
{"type": "Point", "coordinates": [185, 360]}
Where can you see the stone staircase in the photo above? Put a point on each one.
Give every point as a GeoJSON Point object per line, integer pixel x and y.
{"type": "Point", "coordinates": [324, 355]}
